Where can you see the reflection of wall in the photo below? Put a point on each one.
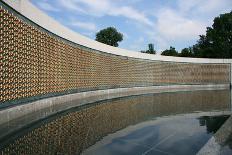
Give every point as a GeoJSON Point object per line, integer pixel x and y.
{"type": "Point", "coordinates": [77, 130]}
{"type": "Point", "coordinates": [34, 62]}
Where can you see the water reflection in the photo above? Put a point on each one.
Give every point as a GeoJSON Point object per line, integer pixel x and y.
{"type": "Point", "coordinates": [179, 135]}
{"type": "Point", "coordinates": [73, 131]}
{"type": "Point", "coordinates": [212, 123]}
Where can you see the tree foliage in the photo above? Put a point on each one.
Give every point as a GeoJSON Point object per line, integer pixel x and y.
{"type": "Point", "coordinates": [217, 43]}
{"type": "Point", "coordinates": [109, 36]}
{"type": "Point", "coordinates": [170, 52]}
{"type": "Point", "coordinates": [150, 50]}
{"type": "Point", "coordinates": [186, 52]}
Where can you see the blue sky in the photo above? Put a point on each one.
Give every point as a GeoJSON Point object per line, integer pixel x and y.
{"type": "Point", "coordinates": [164, 23]}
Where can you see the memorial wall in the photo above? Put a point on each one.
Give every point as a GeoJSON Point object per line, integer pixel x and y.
{"type": "Point", "coordinates": [35, 63]}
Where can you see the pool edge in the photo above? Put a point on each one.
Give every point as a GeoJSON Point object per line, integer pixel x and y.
{"type": "Point", "coordinates": [83, 98]}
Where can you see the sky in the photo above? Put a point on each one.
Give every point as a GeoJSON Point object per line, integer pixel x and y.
{"type": "Point", "coordinates": [164, 23]}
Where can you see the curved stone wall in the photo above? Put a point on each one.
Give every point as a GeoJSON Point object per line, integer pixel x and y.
{"type": "Point", "coordinates": [36, 63]}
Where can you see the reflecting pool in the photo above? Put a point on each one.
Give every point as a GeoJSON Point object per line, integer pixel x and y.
{"type": "Point", "coordinates": [165, 123]}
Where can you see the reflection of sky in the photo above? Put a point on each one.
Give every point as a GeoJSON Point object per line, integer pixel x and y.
{"type": "Point", "coordinates": [169, 135]}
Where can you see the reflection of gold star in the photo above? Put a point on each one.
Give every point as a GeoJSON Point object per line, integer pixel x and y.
{"type": "Point", "coordinates": [85, 126]}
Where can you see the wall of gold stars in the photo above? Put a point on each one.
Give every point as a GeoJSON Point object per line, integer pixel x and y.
{"type": "Point", "coordinates": [35, 62]}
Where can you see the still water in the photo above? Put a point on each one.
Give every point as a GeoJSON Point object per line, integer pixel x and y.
{"type": "Point", "coordinates": [166, 123]}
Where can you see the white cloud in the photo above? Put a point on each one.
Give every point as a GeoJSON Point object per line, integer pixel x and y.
{"type": "Point", "coordinates": [96, 5]}
{"type": "Point", "coordinates": [101, 8]}
{"type": "Point", "coordinates": [166, 25]}
{"type": "Point", "coordinates": [84, 25]}
{"type": "Point", "coordinates": [186, 22]}
{"type": "Point", "coordinates": [187, 5]}
{"type": "Point", "coordinates": [137, 45]}
{"type": "Point", "coordinates": [140, 40]}
{"type": "Point", "coordinates": [47, 6]}
{"type": "Point", "coordinates": [71, 5]}
{"type": "Point", "coordinates": [206, 6]}
{"type": "Point", "coordinates": [125, 35]}
{"type": "Point", "coordinates": [88, 34]}
{"type": "Point", "coordinates": [131, 14]}
{"type": "Point", "coordinates": [172, 25]}
{"type": "Point", "coordinates": [162, 44]}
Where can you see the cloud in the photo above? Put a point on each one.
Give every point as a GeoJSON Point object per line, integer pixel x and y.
{"type": "Point", "coordinates": [88, 34]}
{"type": "Point", "coordinates": [100, 8]}
{"type": "Point", "coordinates": [95, 5]}
{"type": "Point", "coordinates": [47, 6]}
{"type": "Point", "coordinates": [176, 23]}
{"type": "Point", "coordinates": [206, 6]}
{"type": "Point", "coordinates": [137, 45]}
{"type": "Point", "coordinates": [172, 25]}
{"type": "Point", "coordinates": [84, 25]}
{"type": "Point", "coordinates": [186, 6]}
{"type": "Point", "coordinates": [70, 5]}
{"type": "Point", "coordinates": [125, 35]}
{"type": "Point", "coordinates": [186, 22]}
{"type": "Point", "coordinates": [131, 14]}
{"type": "Point", "coordinates": [161, 43]}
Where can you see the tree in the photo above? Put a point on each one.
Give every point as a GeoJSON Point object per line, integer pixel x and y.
{"type": "Point", "coordinates": [171, 52]}
{"type": "Point", "coordinates": [109, 36]}
{"type": "Point", "coordinates": [186, 52]}
{"type": "Point", "coordinates": [217, 43]}
{"type": "Point", "coordinates": [150, 50]}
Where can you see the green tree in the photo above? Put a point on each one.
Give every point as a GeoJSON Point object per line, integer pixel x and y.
{"type": "Point", "coordinates": [203, 48]}
{"type": "Point", "coordinates": [186, 52]}
{"type": "Point", "coordinates": [171, 52]}
{"type": "Point", "coordinates": [150, 50]}
{"type": "Point", "coordinates": [109, 36]}
{"type": "Point", "coordinates": [217, 43]}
